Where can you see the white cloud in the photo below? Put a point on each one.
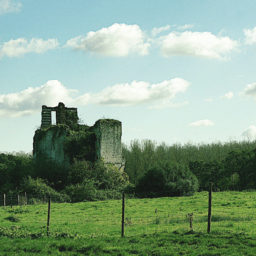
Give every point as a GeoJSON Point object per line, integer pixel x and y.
{"type": "Point", "coordinates": [31, 99]}
{"type": "Point", "coordinates": [204, 122]}
{"type": "Point", "coordinates": [201, 44]}
{"type": "Point", "coordinates": [156, 31]}
{"type": "Point", "coordinates": [250, 36]}
{"type": "Point", "coordinates": [228, 95]}
{"type": "Point", "coordinates": [117, 40]}
{"type": "Point", "coordinates": [250, 133]}
{"type": "Point", "coordinates": [141, 92]}
{"type": "Point", "coordinates": [250, 90]}
{"type": "Point", "coordinates": [8, 6]}
{"type": "Point", "coordinates": [186, 26]}
{"type": "Point", "coordinates": [21, 46]}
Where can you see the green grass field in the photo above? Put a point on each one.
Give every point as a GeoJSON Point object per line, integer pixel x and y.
{"type": "Point", "coordinates": [152, 227]}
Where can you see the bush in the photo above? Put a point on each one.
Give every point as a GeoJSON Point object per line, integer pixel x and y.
{"type": "Point", "coordinates": [85, 191]}
{"type": "Point", "coordinates": [109, 177]}
{"type": "Point", "coordinates": [171, 180]}
{"type": "Point", "coordinates": [152, 183]}
{"type": "Point", "coordinates": [129, 189]}
{"type": "Point", "coordinates": [56, 174]}
{"type": "Point", "coordinates": [104, 176]}
{"type": "Point", "coordinates": [38, 190]}
{"type": "Point", "coordinates": [79, 171]}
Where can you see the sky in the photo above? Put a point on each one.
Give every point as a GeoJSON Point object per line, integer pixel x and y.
{"type": "Point", "coordinates": [170, 71]}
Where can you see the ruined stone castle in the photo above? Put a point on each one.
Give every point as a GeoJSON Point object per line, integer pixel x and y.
{"type": "Point", "coordinates": [67, 139]}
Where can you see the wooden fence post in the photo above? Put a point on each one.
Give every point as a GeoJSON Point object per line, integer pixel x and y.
{"type": "Point", "coordinates": [18, 196]}
{"type": "Point", "coordinates": [49, 215]}
{"type": "Point", "coordinates": [26, 200]}
{"type": "Point", "coordinates": [4, 200]}
{"type": "Point", "coordinates": [190, 218]}
{"type": "Point", "coordinates": [209, 209]}
{"type": "Point", "coordinates": [123, 208]}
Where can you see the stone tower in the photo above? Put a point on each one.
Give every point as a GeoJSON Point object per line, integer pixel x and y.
{"type": "Point", "coordinates": [108, 140]}
{"type": "Point", "coordinates": [103, 139]}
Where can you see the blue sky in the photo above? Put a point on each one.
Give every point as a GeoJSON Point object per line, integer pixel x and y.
{"type": "Point", "coordinates": [171, 71]}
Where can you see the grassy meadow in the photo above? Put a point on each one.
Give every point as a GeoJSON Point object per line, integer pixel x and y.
{"type": "Point", "coordinates": [158, 226]}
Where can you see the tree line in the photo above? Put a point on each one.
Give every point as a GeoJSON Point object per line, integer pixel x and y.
{"type": "Point", "coordinates": [151, 170]}
{"type": "Point", "coordinates": [230, 166]}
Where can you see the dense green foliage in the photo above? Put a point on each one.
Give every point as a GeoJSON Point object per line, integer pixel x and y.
{"type": "Point", "coordinates": [13, 168]}
{"type": "Point", "coordinates": [230, 166]}
{"type": "Point", "coordinates": [83, 180]}
{"type": "Point", "coordinates": [80, 144]}
{"type": "Point", "coordinates": [152, 227]}
{"type": "Point", "coordinates": [172, 180]}
{"type": "Point", "coordinates": [152, 170]}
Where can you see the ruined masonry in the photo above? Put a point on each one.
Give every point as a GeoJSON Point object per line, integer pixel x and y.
{"type": "Point", "coordinates": [103, 140]}
{"type": "Point", "coordinates": [63, 115]}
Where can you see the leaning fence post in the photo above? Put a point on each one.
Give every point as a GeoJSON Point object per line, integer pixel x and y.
{"type": "Point", "coordinates": [49, 215]}
{"type": "Point", "coordinates": [209, 209]}
{"type": "Point", "coordinates": [4, 200]}
{"type": "Point", "coordinates": [123, 206]}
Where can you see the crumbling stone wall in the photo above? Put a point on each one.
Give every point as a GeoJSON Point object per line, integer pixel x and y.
{"type": "Point", "coordinates": [64, 115]}
{"type": "Point", "coordinates": [49, 140]}
{"type": "Point", "coordinates": [49, 144]}
{"type": "Point", "coordinates": [108, 141]}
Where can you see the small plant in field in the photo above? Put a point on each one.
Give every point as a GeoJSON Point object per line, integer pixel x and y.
{"type": "Point", "coordinates": [157, 220]}
{"type": "Point", "coordinates": [12, 218]}
{"type": "Point", "coordinates": [229, 225]}
{"type": "Point", "coordinates": [19, 210]}
{"type": "Point", "coordinates": [128, 221]}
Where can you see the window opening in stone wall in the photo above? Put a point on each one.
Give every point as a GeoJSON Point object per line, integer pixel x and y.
{"type": "Point", "coordinates": [54, 118]}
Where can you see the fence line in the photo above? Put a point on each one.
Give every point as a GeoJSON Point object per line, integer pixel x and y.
{"type": "Point", "coordinates": [158, 219]}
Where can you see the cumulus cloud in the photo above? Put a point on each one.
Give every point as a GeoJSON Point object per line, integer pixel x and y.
{"type": "Point", "coordinates": [250, 90]}
{"type": "Point", "coordinates": [156, 31]}
{"type": "Point", "coordinates": [201, 44]}
{"type": "Point", "coordinates": [250, 36]}
{"type": "Point", "coordinates": [8, 6]}
{"type": "Point", "coordinates": [140, 92]}
{"type": "Point", "coordinates": [250, 133]}
{"type": "Point", "coordinates": [21, 46]}
{"type": "Point", "coordinates": [228, 95]}
{"type": "Point", "coordinates": [117, 40]}
{"type": "Point", "coordinates": [204, 122]}
{"type": "Point", "coordinates": [31, 99]}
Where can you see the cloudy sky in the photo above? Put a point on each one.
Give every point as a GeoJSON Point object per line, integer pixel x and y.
{"type": "Point", "coordinates": [171, 71]}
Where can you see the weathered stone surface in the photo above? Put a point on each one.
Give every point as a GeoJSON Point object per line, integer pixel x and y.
{"type": "Point", "coordinates": [64, 115]}
{"type": "Point", "coordinates": [108, 140]}
{"type": "Point", "coordinates": [50, 144]}
{"type": "Point", "coordinates": [105, 135]}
